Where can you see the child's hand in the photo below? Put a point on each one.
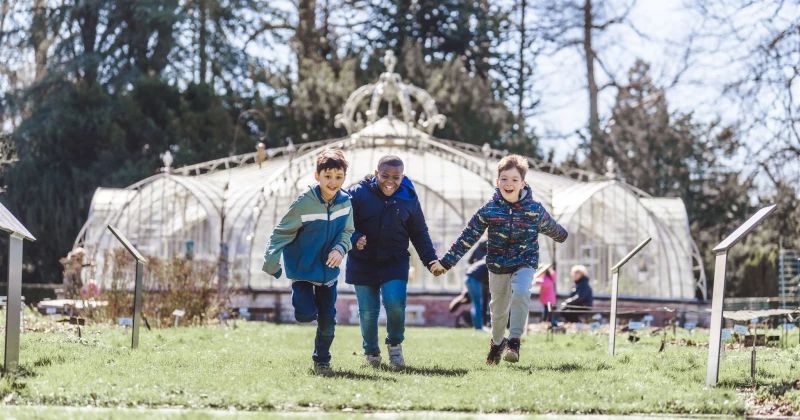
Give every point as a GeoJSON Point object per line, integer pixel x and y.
{"type": "Point", "coordinates": [334, 258]}
{"type": "Point", "coordinates": [436, 268]}
{"type": "Point", "coordinates": [361, 242]}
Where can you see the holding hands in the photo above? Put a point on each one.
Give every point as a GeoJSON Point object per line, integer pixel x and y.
{"type": "Point", "coordinates": [361, 242]}
{"type": "Point", "coordinates": [436, 268]}
{"type": "Point", "coordinates": [334, 258]}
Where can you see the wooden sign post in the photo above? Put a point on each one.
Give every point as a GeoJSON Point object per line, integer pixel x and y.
{"type": "Point", "coordinates": [18, 233]}
{"type": "Point", "coordinates": [178, 313]}
{"type": "Point", "coordinates": [137, 296]}
{"type": "Point", "coordinates": [612, 317]}
{"type": "Point", "coordinates": [720, 265]}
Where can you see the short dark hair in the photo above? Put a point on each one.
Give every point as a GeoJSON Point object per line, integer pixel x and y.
{"type": "Point", "coordinates": [331, 159]}
{"type": "Point", "coordinates": [513, 162]}
{"type": "Point", "coordinates": [390, 160]}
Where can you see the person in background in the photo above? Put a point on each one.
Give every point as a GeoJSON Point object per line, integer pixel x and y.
{"type": "Point", "coordinates": [581, 298]}
{"type": "Point", "coordinates": [547, 295]}
{"type": "Point", "coordinates": [477, 280]}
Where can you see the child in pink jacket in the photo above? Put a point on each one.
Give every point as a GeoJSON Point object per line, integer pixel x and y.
{"type": "Point", "coordinates": [547, 294]}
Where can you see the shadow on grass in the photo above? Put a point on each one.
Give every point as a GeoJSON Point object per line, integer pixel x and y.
{"type": "Point", "coordinates": [429, 371]}
{"type": "Point", "coordinates": [774, 389]}
{"type": "Point", "coordinates": [349, 374]}
{"type": "Point", "coordinates": [23, 371]}
{"type": "Point", "coordinates": [560, 367]}
{"type": "Point", "coordinates": [781, 388]}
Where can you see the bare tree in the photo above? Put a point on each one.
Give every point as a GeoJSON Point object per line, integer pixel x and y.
{"type": "Point", "coordinates": [7, 153]}
{"type": "Point", "coordinates": [759, 42]}
{"type": "Point", "coordinates": [566, 24]}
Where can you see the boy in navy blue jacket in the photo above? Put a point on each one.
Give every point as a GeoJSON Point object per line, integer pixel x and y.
{"type": "Point", "coordinates": [313, 237]}
{"type": "Point", "coordinates": [386, 214]}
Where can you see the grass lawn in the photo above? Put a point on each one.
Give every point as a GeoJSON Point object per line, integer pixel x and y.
{"type": "Point", "coordinates": [261, 366]}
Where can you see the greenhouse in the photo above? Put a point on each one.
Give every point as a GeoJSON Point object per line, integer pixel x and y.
{"type": "Point", "coordinates": [224, 210]}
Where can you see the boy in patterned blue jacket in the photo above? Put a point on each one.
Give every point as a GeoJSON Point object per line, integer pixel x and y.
{"type": "Point", "coordinates": [514, 220]}
{"type": "Point", "coordinates": [313, 237]}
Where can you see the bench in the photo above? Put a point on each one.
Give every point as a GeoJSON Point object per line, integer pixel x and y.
{"type": "Point", "coordinates": [415, 315]}
{"type": "Point", "coordinates": [4, 298]}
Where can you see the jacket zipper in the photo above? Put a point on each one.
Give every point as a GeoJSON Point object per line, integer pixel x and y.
{"type": "Point", "coordinates": [324, 257]}
{"type": "Point", "coordinates": [510, 230]}
{"type": "Point", "coordinates": [383, 226]}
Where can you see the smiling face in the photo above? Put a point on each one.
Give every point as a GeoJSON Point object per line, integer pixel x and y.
{"type": "Point", "coordinates": [389, 178]}
{"type": "Point", "coordinates": [330, 182]}
{"type": "Point", "coordinates": [510, 183]}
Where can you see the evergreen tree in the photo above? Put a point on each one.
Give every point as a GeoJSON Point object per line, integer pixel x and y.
{"type": "Point", "coordinates": [671, 155]}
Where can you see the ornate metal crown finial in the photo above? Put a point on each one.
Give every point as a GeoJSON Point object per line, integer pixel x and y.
{"type": "Point", "coordinates": [389, 60]}
{"type": "Point", "coordinates": [390, 88]}
{"type": "Point", "coordinates": [167, 159]}
{"type": "Point", "coordinates": [611, 168]}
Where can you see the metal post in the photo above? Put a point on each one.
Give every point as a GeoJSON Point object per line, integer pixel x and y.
{"type": "Point", "coordinates": [712, 374]}
{"type": "Point", "coordinates": [717, 304]}
{"type": "Point", "coordinates": [782, 272]}
{"type": "Point", "coordinates": [612, 317]}
{"type": "Point", "coordinates": [137, 298]}
{"type": "Point", "coordinates": [13, 304]}
{"type": "Point", "coordinates": [753, 354]}
{"type": "Point", "coordinates": [137, 305]}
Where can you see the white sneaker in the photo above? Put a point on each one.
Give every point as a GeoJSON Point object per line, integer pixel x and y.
{"type": "Point", "coordinates": [396, 355]}
{"type": "Point", "coordinates": [374, 359]}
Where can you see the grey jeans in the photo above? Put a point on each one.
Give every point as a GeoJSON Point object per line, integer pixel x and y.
{"type": "Point", "coordinates": [510, 291]}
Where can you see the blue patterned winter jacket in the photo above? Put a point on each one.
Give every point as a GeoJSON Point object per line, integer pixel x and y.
{"type": "Point", "coordinates": [514, 230]}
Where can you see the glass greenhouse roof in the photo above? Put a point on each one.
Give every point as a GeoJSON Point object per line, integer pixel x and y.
{"type": "Point", "coordinates": [225, 210]}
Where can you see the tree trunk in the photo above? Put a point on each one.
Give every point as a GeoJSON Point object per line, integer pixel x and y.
{"type": "Point", "coordinates": [306, 35]}
{"type": "Point", "coordinates": [595, 148]}
{"type": "Point", "coordinates": [202, 42]}
{"type": "Point", "coordinates": [39, 38]}
{"type": "Point", "coordinates": [88, 18]}
{"type": "Point", "coordinates": [521, 83]}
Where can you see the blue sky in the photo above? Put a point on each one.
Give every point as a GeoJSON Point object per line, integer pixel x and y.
{"type": "Point", "coordinates": [561, 81]}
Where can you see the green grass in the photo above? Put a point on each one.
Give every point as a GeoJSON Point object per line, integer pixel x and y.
{"type": "Point", "coordinates": [263, 366]}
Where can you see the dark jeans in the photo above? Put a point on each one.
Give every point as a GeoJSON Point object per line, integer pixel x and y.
{"type": "Point", "coordinates": [316, 303]}
{"type": "Point", "coordinates": [572, 317]}
{"type": "Point", "coordinates": [475, 291]}
{"type": "Point", "coordinates": [548, 316]}
{"type": "Point", "coordinates": [393, 293]}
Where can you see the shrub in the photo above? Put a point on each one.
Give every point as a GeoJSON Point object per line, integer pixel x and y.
{"type": "Point", "coordinates": [167, 284]}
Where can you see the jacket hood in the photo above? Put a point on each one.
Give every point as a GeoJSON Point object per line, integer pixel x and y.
{"type": "Point", "coordinates": [526, 197]}
{"type": "Point", "coordinates": [341, 195]}
{"type": "Point", "coordinates": [405, 192]}
{"type": "Point", "coordinates": [583, 279]}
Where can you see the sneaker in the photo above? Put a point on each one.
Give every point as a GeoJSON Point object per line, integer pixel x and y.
{"type": "Point", "coordinates": [495, 352]}
{"type": "Point", "coordinates": [374, 359]}
{"type": "Point", "coordinates": [396, 355]}
{"type": "Point", "coordinates": [512, 352]}
{"type": "Point", "coordinates": [322, 368]}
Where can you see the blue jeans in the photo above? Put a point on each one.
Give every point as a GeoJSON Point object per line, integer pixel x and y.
{"type": "Point", "coordinates": [317, 303]}
{"type": "Point", "coordinates": [475, 291]}
{"type": "Point", "coordinates": [394, 301]}
{"type": "Point", "coordinates": [549, 316]}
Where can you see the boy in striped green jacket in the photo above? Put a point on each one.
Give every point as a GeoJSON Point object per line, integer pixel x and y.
{"type": "Point", "coordinates": [313, 237]}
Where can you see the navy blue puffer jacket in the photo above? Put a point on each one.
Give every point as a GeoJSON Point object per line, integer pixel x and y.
{"type": "Point", "coordinates": [388, 223]}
